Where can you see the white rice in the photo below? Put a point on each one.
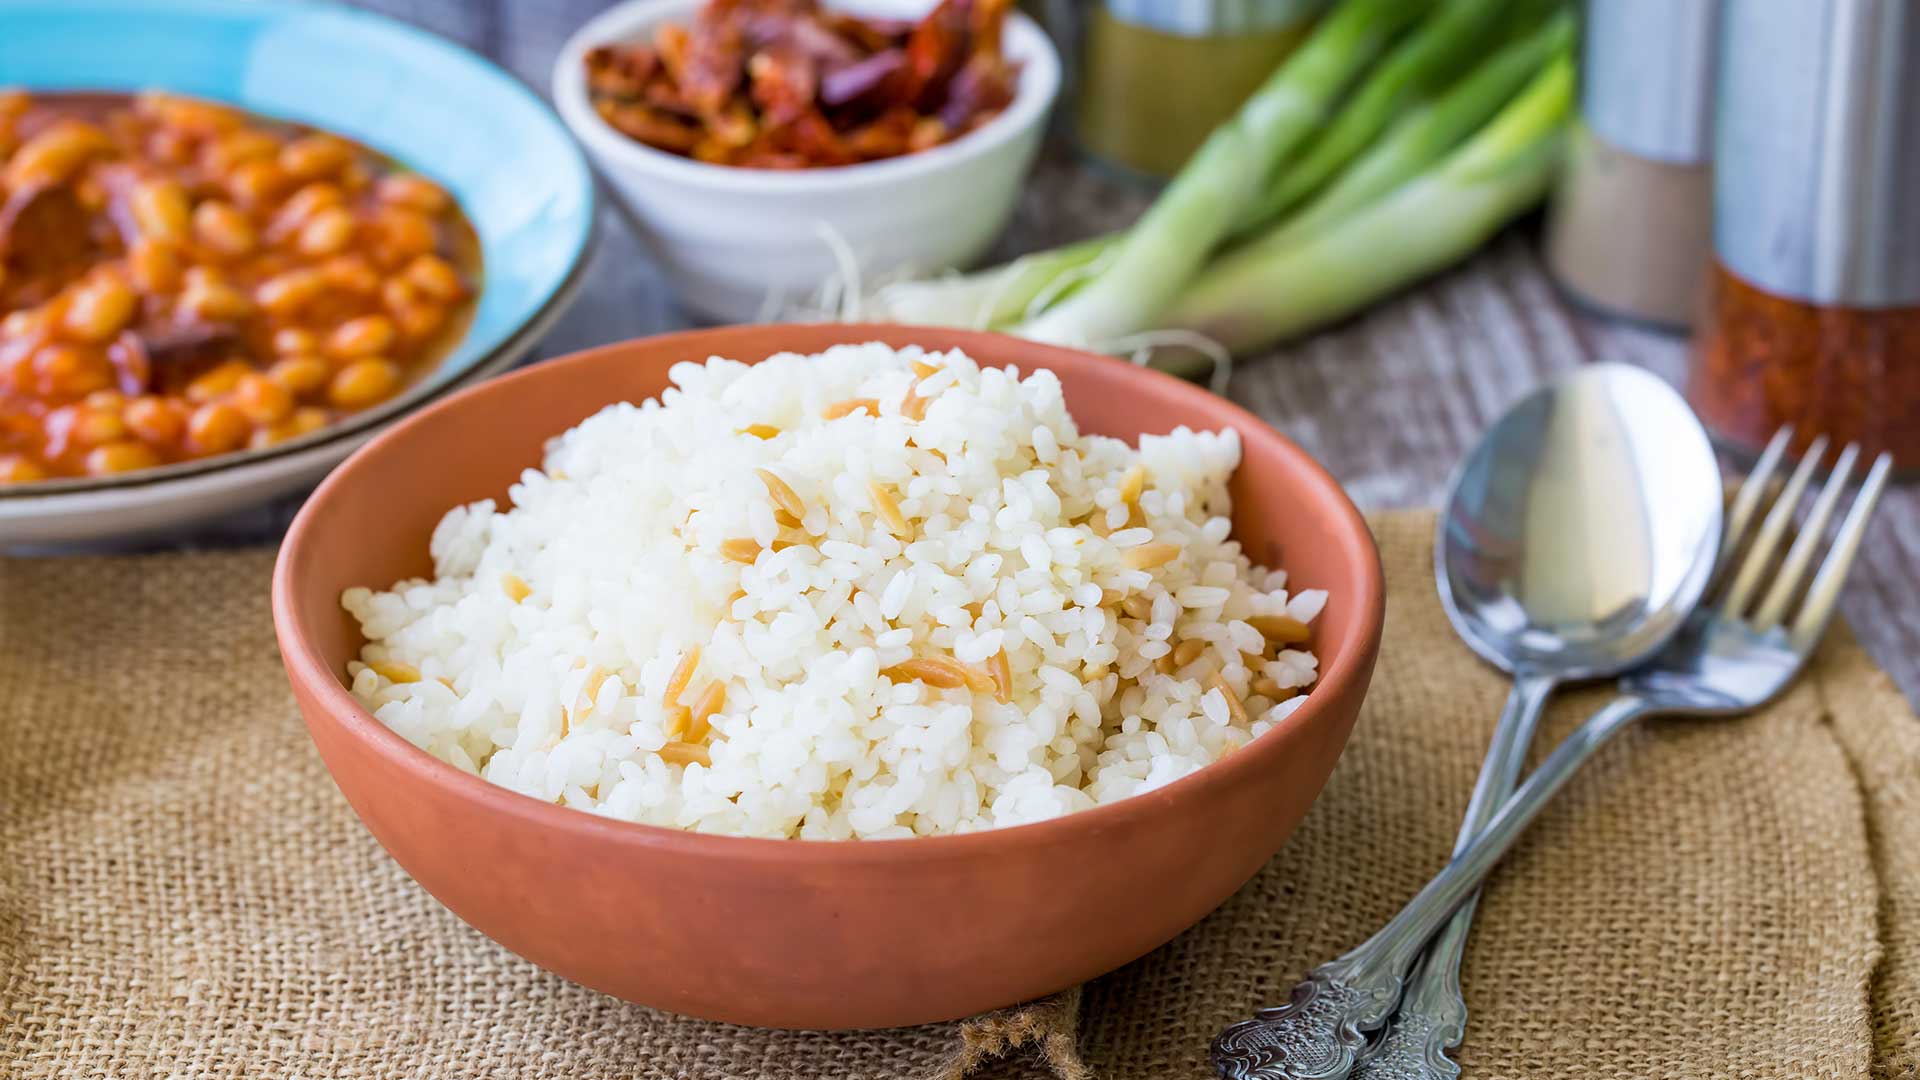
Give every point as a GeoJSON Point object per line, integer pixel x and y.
{"type": "Point", "coordinates": [616, 545]}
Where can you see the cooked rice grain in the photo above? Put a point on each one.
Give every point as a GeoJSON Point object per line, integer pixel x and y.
{"type": "Point", "coordinates": [906, 596]}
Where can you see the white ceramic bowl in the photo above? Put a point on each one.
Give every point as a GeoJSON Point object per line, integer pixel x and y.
{"type": "Point", "coordinates": [735, 241]}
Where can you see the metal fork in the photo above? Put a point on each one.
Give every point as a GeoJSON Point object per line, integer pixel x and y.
{"type": "Point", "coordinates": [1736, 654]}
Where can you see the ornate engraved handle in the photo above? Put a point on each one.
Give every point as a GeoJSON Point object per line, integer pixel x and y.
{"type": "Point", "coordinates": [1432, 1020]}
{"type": "Point", "coordinates": [1319, 1034]}
{"type": "Point", "coordinates": [1323, 1033]}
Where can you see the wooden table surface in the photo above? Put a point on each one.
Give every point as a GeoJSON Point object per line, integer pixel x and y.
{"type": "Point", "coordinates": [1388, 401]}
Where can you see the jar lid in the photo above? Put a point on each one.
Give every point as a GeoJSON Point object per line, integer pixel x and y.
{"type": "Point", "coordinates": [1213, 18]}
{"type": "Point", "coordinates": [1646, 75]}
{"type": "Point", "coordinates": [1817, 150]}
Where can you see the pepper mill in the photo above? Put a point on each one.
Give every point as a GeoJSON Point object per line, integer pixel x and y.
{"type": "Point", "coordinates": [1629, 229]}
{"type": "Point", "coordinates": [1814, 314]}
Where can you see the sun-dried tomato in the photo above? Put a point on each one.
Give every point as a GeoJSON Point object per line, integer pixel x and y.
{"type": "Point", "coordinates": [935, 50]}
{"type": "Point", "coordinates": [621, 72]}
{"type": "Point", "coordinates": [866, 83]}
{"type": "Point", "coordinates": [984, 24]}
{"type": "Point", "coordinates": [981, 88]}
{"type": "Point", "coordinates": [651, 126]}
{"type": "Point", "coordinates": [812, 137]}
{"type": "Point", "coordinates": [784, 84]}
{"type": "Point", "coordinates": [716, 55]}
{"type": "Point", "coordinates": [889, 135]}
{"type": "Point", "coordinates": [670, 43]}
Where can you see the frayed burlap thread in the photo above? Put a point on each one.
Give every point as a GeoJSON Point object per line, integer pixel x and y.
{"type": "Point", "coordinates": [184, 893]}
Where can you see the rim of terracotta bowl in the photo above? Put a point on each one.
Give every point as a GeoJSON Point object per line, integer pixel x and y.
{"type": "Point", "coordinates": [1348, 666]}
{"type": "Point", "coordinates": [1034, 94]}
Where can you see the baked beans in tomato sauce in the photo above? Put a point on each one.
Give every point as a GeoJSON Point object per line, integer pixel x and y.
{"type": "Point", "coordinates": [180, 279]}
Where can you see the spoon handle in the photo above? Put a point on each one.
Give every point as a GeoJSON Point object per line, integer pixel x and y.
{"type": "Point", "coordinates": [1461, 878]}
{"type": "Point", "coordinates": [1323, 1031]}
{"type": "Point", "coordinates": [1433, 1014]}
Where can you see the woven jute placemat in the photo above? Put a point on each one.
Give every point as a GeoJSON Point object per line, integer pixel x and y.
{"type": "Point", "coordinates": [184, 893]}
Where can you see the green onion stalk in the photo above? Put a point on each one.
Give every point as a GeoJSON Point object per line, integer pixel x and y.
{"type": "Point", "coordinates": [992, 299]}
{"type": "Point", "coordinates": [1015, 292]}
{"type": "Point", "coordinates": [1278, 286]}
{"type": "Point", "coordinates": [1169, 244]}
{"type": "Point", "coordinates": [1416, 116]}
{"type": "Point", "coordinates": [1427, 59]}
{"type": "Point", "coordinates": [1427, 132]}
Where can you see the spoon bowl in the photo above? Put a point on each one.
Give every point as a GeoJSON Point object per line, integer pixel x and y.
{"type": "Point", "coordinates": [1582, 530]}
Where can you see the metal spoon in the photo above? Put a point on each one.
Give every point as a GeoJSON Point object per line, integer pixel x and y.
{"type": "Point", "coordinates": [1578, 536]}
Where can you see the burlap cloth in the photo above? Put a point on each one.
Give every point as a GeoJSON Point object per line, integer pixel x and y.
{"type": "Point", "coordinates": [184, 893]}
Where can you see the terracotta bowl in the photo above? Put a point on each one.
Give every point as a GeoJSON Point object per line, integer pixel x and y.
{"type": "Point", "coordinates": [812, 934]}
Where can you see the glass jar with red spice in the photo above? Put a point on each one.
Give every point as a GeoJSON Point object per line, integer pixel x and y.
{"type": "Point", "coordinates": [1813, 311]}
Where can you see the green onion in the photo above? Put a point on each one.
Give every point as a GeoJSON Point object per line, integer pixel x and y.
{"type": "Point", "coordinates": [1432, 129]}
{"type": "Point", "coordinates": [1276, 287]}
{"type": "Point", "coordinates": [1430, 56]}
{"type": "Point", "coordinates": [1168, 246]}
{"type": "Point", "coordinates": [1313, 263]}
{"type": "Point", "coordinates": [996, 297]}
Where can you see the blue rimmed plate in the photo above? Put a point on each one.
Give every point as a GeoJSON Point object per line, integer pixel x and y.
{"type": "Point", "coordinates": [417, 98]}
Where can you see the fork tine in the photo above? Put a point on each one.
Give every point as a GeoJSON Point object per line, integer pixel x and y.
{"type": "Point", "coordinates": [1813, 530]}
{"type": "Point", "coordinates": [1823, 596]}
{"type": "Point", "coordinates": [1771, 529]}
{"type": "Point", "coordinates": [1752, 489]}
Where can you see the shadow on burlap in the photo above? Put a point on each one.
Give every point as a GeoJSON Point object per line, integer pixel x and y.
{"type": "Point", "coordinates": [183, 891]}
